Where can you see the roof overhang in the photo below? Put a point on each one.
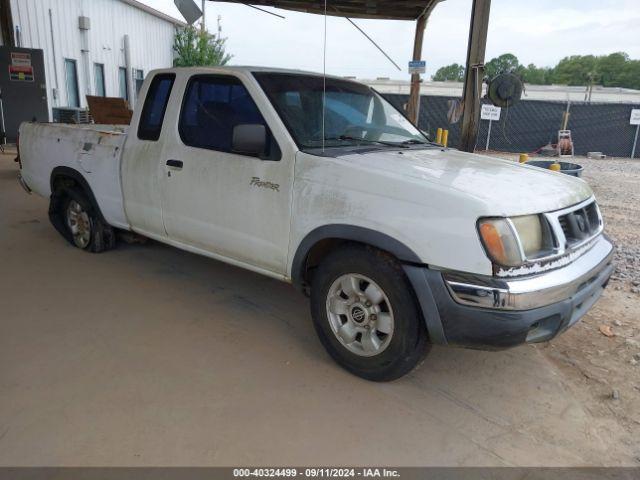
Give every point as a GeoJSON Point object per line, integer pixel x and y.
{"type": "Point", "coordinates": [377, 9]}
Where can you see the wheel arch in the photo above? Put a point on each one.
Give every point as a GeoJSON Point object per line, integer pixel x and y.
{"type": "Point", "coordinates": [320, 241]}
{"type": "Point", "coordinates": [60, 174]}
{"type": "Point", "coordinates": [317, 243]}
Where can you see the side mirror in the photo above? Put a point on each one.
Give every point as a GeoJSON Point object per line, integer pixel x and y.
{"type": "Point", "coordinates": [249, 139]}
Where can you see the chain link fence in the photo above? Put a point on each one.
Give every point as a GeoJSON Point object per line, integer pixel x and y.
{"type": "Point", "coordinates": [531, 125]}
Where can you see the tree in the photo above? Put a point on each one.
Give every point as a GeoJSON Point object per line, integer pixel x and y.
{"type": "Point", "coordinates": [576, 70]}
{"type": "Point", "coordinates": [613, 70]}
{"type": "Point", "coordinates": [505, 63]}
{"type": "Point", "coordinates": [450, 73]}
{"type": "Point", "coordinates": [630, 75]}
{"type": "Point", "coordinates": [195, 47]}
{"type": "Point", "coordinates": [535, 75]}
{"type": "Point", "coordinates": [611, 67]}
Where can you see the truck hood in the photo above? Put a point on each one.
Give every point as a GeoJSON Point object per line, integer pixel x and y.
{"type": "Point", "coordinates": [506, 187]}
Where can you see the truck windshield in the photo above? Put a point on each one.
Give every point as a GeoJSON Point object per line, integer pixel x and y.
{"type": "Point", "coordinates": [354, 114]}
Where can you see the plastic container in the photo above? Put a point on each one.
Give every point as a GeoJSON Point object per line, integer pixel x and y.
{"type": "Point", "coordinates": [572, 169]}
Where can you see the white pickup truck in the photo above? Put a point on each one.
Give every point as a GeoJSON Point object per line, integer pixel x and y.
{"type": "Point", "coordinates": [400, 243]}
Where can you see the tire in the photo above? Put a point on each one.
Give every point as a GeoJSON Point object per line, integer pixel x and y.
{"type": "Point", "coordinates": [377, 332]}
{"type": "Point", "coordinates": [78, 220]}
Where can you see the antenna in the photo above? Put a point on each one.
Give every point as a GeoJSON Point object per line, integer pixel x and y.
{"type": "Point", "coordinates": [324, 75]}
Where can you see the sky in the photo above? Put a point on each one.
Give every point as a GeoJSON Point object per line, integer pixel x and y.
{"type": "Point", "coordinates": [536, 31]}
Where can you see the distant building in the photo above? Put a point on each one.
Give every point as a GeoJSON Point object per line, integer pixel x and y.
{"type": "Point", "coordinates": [560, 93]}
{"type": "Point", "coordinates": [91, 47]}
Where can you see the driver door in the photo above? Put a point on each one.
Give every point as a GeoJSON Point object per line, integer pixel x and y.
{"type": "Point", "coordinates": [215, 200]}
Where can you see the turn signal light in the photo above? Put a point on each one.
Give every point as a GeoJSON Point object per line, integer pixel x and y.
{"type": "Point", "coordinates": [493, 242]}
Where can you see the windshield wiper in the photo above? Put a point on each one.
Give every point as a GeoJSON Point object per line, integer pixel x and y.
{"type": "Point", "coordinates": [413, 141]}
{"type": "Point", "coordinates": [366, 140]}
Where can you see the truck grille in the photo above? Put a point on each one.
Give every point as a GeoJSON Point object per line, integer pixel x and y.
{"type": "Point", "coordinates": [580, 224]}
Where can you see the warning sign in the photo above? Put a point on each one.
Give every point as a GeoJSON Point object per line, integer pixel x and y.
{"type": "Point", "coordinates": [21, 59]}
{"type": "Point", "coordinates": [20, 74]}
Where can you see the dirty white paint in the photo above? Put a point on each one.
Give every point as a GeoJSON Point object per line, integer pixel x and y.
{"type": "Point", "coordinates": [429, 200]}
{"type": "Point", "coordinates": [151, 37]}
{"type": "Point", "coordinates": [93, 151]}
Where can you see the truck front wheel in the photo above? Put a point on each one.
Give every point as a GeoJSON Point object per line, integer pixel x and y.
{"type": "Point", "coordinates": [366, 315]}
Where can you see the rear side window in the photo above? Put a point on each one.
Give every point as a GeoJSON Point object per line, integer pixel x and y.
{"type": "Point", "coordinates": [155, 106]}
{"type": "Point", "coordinates": [213, 106]}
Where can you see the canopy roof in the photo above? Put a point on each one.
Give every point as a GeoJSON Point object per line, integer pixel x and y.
{"type": "Point", "coordinates": [380, 9]}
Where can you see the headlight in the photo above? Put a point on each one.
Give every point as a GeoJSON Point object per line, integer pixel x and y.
{"type": "Point", "coordinates": [511, 241]}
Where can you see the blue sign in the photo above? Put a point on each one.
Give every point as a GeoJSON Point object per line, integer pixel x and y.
{"type": "Point", "coordinates": [417, 67]}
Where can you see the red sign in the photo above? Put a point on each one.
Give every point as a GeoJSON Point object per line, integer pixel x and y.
{"type": "Point", "coordinates": [20, 74]}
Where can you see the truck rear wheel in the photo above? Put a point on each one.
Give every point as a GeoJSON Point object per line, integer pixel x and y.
{"type": "Point", "coordinates": [77, 219]}
{"type": "Point", "coordinates": [366, 315]}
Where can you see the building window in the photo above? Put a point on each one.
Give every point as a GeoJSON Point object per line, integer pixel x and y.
{"type": "Point", "coordinates": [71, 76]}
{"type": "Point", "coordinates": [138, 80]}
{"type": "Point", "coordinates": [122, 81]}
{"type": "Point", "coordinates": [155, 106]}
{"type": "Point", "coordinates": [98, 73]}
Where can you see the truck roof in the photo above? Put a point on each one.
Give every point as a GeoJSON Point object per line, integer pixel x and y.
{"type": "Point", "coordinates": [251, 69]}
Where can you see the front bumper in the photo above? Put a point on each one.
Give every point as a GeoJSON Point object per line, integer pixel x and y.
{"type": "Point", "coordinates": [488, 312]}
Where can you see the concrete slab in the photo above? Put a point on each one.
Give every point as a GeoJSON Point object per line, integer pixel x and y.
{"type": "Point", "coordinates": [148, 355]}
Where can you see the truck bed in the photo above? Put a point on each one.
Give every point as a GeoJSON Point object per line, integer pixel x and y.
{"type": "Point", "coordinates": [94, 151]}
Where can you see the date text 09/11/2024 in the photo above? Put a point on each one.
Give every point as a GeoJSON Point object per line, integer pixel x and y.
{"type": "Point", "coordinates": [325, 472]}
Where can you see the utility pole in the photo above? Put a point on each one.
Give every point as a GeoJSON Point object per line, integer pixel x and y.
{"type": "Point", "coordinates": [474, 74]}
{"type": "Point", "coordinates": [413, 108]}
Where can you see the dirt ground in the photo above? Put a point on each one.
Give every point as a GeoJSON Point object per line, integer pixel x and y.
{"type": "Point", "coordinates": [604, 372]}
{"type": "Point", "coordinates": [148, 355]}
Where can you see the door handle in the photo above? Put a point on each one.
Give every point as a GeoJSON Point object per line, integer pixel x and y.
{"type": "Point", "coordinates": [175, 163]}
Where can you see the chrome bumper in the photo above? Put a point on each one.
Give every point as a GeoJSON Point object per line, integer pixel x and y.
{"type": "Point", "coordinates": [534, 291]}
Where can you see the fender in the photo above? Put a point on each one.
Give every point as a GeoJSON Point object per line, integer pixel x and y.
{"type": "Point", "coordinates": [414, 267]}
{"type": "Point", "coordinates": [77, 177]}
{"type": "Point", "coordinates": [348, 232]}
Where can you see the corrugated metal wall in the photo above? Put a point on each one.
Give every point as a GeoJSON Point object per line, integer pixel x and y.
{"type": "Point", "coordinates": [151, 41]}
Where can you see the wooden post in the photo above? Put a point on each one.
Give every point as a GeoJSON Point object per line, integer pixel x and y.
{"type": "Point", "coordinates": [413, 108]}
{"type": "Point", "coordinates": [474, 74]}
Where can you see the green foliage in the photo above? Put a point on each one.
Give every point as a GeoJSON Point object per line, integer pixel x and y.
{"type": "Point", "coordinates": [576, 70]}
{"type": "Point", "coordinates": [535, 75]}
{"type": "Point", "coordinates": [609, 68]}
{"type": "Point", "coordinates": [613, 70]}
{"type": "Point", "coordinates": [450, 73]}
{"type": "Point", "coordinates": [199, 48]}
{"type": "Point", "coordinates": [630, 75]}
{"type": "Point", "coordinates": [505, 63]}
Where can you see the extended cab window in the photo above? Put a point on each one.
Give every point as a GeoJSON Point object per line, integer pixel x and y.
{"type": "Point", "coordinates": [213, 107]}
{"type": "Point", "coordinates": [155, 106]}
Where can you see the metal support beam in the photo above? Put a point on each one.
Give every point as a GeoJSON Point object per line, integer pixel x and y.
{"type": "Point", "coordinates": [474, 74]}
{"type": "Point", "coordinates": [413, 107]}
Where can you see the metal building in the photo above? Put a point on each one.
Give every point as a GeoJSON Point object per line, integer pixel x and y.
{"type": "Point", "coordinates": [91, 47]}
